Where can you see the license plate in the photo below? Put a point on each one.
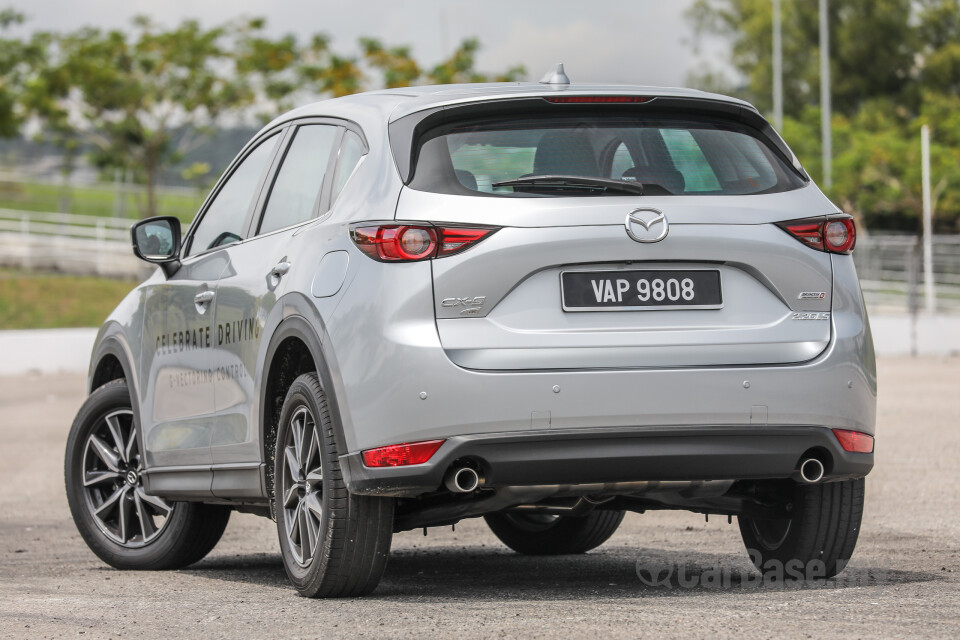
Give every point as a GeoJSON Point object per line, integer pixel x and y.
{"type": "Point", "coordinates": [637, 290]}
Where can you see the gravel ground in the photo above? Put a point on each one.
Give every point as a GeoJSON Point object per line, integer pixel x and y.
{"type": "Point", "coordinates": [904, 579]}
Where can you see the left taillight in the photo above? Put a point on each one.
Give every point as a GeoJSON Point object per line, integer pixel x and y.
{"type": "Point", "coordinates": [408, 242]}
{"type": "Point", "coordinates": [833, 235]}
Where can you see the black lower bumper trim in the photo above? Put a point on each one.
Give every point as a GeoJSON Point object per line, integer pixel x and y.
{"type": "Point", "coordinates": [581, 456]}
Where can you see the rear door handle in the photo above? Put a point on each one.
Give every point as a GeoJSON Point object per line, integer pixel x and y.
{"type": "Point", "coordinates": [281, 269]}
{"type": "Point", "coordinates": [203, 297]}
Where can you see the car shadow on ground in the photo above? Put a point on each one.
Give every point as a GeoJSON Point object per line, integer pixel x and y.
{"type": "Point", "coordinates": [480, 574]}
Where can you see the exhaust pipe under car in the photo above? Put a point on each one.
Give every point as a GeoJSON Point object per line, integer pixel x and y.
{"type": "Point", "coordinates": [462, 480]}
{"type": "Point", "coordinates": [811, 471]}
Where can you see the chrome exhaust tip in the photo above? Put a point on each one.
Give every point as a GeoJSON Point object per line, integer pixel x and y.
{"type": "Point", "coordinates": [811, 471]}
{"type": "Point", "coordinates": [462, 480]}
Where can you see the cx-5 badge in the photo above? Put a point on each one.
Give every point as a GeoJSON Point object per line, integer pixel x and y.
{"type": "Point", "coordinates": [463, 302]}
{"type": "Point", "coordinates": [647, 225]}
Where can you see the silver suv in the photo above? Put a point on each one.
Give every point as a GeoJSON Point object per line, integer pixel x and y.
{"type": "Point", "coordinates": [544, 304]}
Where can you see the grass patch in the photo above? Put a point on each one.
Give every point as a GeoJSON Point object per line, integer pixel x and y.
{"type": "Point", "coordinates": [94, 200]}
{"type": "Point", "coordinates": [47, 301]}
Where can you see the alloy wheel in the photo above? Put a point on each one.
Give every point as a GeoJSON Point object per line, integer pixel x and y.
{"type": "Point", "coordinates": [302, 486]}
{"type": "Point", "coordinates": [113, 484]}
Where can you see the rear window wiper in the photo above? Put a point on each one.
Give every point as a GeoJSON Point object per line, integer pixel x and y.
{"type": "Point", "coordinates": [575, 182]}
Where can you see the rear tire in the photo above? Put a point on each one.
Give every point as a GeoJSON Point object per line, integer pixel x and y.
{"type": "Point", "coordinates": [334, 544]}
{"type": "Point", "coordinates": [819, 537]}
{"type": "Point", "coordinates": [124, 526]}
{"type": "Point", "coordinates": [543, 535]}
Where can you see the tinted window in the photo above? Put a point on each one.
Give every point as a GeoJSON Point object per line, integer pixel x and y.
{"type": "Point", "coordinates": [350, 153]}
{"type": "Point", "coordinates": [689, 160]}
{"type": "Point", "coordinates": [296, 190]}
{"type": "Point", "coordinates": [224, 219]}
{"type": "Point", "coordinates": [669, 156]}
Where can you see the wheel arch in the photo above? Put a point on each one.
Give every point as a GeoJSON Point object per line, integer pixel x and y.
{"type": "Point", "coordinates": [106, 369]}
{"type": "Point", "coordinates": [295, 348]}
{"type": "Point", "coordinates": [112, 360]}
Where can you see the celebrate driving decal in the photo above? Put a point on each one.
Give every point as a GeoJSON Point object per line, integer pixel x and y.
{"type": "Point", "coordinates": [200, 337]}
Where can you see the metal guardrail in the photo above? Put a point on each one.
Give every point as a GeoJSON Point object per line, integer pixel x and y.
{"type": "Point", "coordinates": [891, 274]}
{"type": "Point", "coordinates": [87, 245]}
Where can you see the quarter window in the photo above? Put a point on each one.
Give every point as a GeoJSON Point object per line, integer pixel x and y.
{"type": "Point", "coordinates": [223, 223]}
{"type": "Point", "coordinates": [350, 153]}
{"type": "Point", "coordinates": [295, 195]}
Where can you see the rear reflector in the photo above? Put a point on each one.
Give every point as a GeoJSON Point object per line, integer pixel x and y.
{"type": "Point", "coordinates": [854, 441]}
{"type": "Point", "coordinates": [400, 242]}
{"type": "Point", "coordinates": [401, 455]}
{"type": "Point", "coordinates": [597, 99]}
{"type": "Point", "coordinates": [834, 235]}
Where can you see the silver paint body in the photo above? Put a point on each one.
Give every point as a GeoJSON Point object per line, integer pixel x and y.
{"type": "Point", "coordinates": [388, 340]}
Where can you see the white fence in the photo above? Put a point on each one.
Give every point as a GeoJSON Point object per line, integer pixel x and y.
{"type": "Point", "coordinates": [86, 245]}
{"type": "Point", "coordinates": [891, 275]}
{"type": "Point", "coordinates": [888, 265]}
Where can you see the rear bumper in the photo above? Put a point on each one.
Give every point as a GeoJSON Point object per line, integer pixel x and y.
{"type": "Point", "coordinates": [586, 456]}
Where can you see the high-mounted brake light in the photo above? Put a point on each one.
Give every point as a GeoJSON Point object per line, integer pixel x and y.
{"type": "Point", "coordinates": [854, 441]}
{"type": "Point", "coordinates": [401, 455]}
{"type": "Point", "coordinates": [597, 99]}
{"type": "Point", "coordinates": [834, 235]}
{"type": "Point", "coordinates": [402, 242]}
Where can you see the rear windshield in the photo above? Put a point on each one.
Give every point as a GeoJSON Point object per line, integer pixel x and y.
{"type": "Point", "coordinates": [667, 156]}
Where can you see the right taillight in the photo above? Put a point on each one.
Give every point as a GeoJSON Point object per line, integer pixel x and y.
{"type": "Point", "coordinates": [834, 235]}
{"type": "Point", "coordinates": [402, 242]}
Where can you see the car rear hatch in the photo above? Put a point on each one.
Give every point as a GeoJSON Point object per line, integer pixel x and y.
{"type": "Point", "coordinates": [695, 272]}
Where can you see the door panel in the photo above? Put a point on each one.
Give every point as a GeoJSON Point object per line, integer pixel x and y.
{"type": "Point", "coordinates": [246, 294]}
{"type": "Point", "coordinates": [177, 391]}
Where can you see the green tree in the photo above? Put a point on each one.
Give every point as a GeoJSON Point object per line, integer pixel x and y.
{"type": "Point", "coordinates": [873, 44]}
{"type": "Point", "coordinates": [895, 66]}
{"type": "Point", "coordinates": [143, 98]}
{"type": "Point", "coordinates": [460, 67]}
{"type": "Point", "coordinates": [125, 95]}
{"type": "Point", "coordinates": [396, 64]}
{"type": "Point", "coordinates": [18, 59]}
{"type": "Point", "coordinates": [399, 69]}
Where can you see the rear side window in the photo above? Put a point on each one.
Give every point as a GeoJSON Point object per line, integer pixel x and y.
{"type": "Point", "coordinates": [668, 156]}
{"type": "Point", "coordinates": [295, 196]}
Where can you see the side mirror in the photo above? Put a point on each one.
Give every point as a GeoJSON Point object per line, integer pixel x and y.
{"type": "Point", "coordinates": [157, 240]}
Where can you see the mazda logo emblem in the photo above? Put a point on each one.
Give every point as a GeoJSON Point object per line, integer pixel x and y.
{"type": "Point", "coordinates": [647, 225]}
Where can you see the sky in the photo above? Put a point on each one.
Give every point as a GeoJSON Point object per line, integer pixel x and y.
{"type": "Point", "coordinates": [627, 41]}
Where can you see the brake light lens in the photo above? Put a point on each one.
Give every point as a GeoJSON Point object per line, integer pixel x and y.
{"type": "Point", "coordinates": [834, 235]}
{"type": "Point", "coordinates": [597, 99]}
{"type": "Point", "coordinates": [839, 236]}
{"type": "Point", "coordinates": [401, 455]}
{"type": "Point", "coordinates": [854, 441]}
{"type": "Point", "coordinates": [399, 242]}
